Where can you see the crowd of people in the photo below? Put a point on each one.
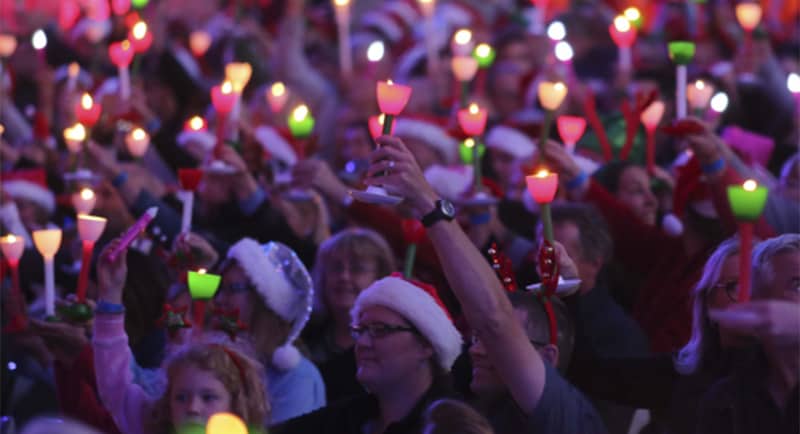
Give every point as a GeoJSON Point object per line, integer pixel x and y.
{"type": "Point", "coordinates": [397, 272]}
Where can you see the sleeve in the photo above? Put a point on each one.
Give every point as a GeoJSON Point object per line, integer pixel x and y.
{"type": "Point", "coordinates": [563, 409]}
{"type": "Point", "coordinates": [77, 393]}
{"type": "Point", "coordinates": [126, 401]}
{"type": "Point", "coordinates": [297, 392]}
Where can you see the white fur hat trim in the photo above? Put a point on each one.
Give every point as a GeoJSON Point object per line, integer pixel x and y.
{"type": "Point", "coordinates": [20, 189]}
{"type": "Point", "coordinates": [428, 133]}
{"type": "Point", "coordinates": [450, 182]}
{"type": "Point", "coordinates": [204, 139]}
{"type": "Point", "coordinates": [511, 141]}
{"type": "Point", "coordinates": [276, 145]}
{"type": "Point", "coordinates": [418, 308]}
{"type": "Point", "coordinates": [384, 23]}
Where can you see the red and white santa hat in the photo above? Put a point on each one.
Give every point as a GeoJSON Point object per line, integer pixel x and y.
{"type": "Point", "coordinates": [284, 285]}
{"type": "Point", "coordinates": [511, 141]}
{"type": "Point", "coordinates": [450, 182]}
{"type": "Point", "coordinates": [277, 146]}
{"type": "Point", "coordinates": [429, 133]}
{"type": "Point", "coordinates": [31, 185]}
{"type": "Point", "coordinates": [420, 305]}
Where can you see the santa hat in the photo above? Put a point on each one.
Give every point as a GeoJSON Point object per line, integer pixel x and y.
{"type": "Point", "coordinates": [450, 182]}
{"type": "Point", "coordinates": [429, 133]}
{"type": "Point", "coordinates": [29, 184]}
{"type": "Point", "coordinates": [410, 61]}
{"type": "Point", "coordinates": [690, 191]}
{"type": "Point", "coordinates": [277, 146]}
{"type": "Point", "coordinates": [511, 141]}
{"type": "Point", "coordinates": [284, 285]}
{"type": "Point", "coordinates": [420, 305]}
{"type": "Point", "coordinates": [204, 139]}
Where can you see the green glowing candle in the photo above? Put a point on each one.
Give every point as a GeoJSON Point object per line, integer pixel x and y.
{"type": "Point", "coordinates": [484, 54]}
{"type": "Point", "coordinates": [681, 52]}
{"type": "Point", "coordinates": [203, 285]}
{"type": "Point", "coordinates": [301, 123]}
{"type": "Point", "coordinates": [747, 200]}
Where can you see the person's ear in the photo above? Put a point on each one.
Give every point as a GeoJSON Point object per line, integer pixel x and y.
{"type": "Point", "coordinates": [550, 353]}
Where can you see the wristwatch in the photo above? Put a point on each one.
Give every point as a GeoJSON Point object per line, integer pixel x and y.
{"type": "Point", "coordinates": [444, 210]}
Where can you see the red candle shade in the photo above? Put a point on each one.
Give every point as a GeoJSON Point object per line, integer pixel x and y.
{"type": "Point", "coordinates": [87, 111]}
{"type": "Point", "coordinates": [13, 247]}
{"type": "Point", "coordinates": [376, 126]}
{"type": "Point", "coordinates": [199, 41]}
{"type": "Point", "coordinates": [650, 118]}
{"type": "Point", "coordinates": [141, 38]}
{"type": "Point", "coordinates": [89, 228]}
{"type": "Point", "coordinates": [189, 178]}
{"type": "Point", "coordinates": [542, 186]}
{"type": "Point", "coordinates": [195, 124]}
{"type": "Point", "coordinates": [392, 97]}
{"type": "Point", "coordinates": [277, 95]}
{"type": "Point", "coordinates": [223, 98]}
{"type": "Point", "coordinates": [622, 32]}
{"type": "Point", "coordinates": [121, 53]}
{"type": "Point", "coordinates": [120, 7]}
{"type": "Point", "coordinates": [472, 120]}
{"type": "Point", "coordinates": [570, 128]}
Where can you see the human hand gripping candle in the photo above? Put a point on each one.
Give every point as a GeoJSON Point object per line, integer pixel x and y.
{"type": "Point", "coordinates": [202, 287]}
{"type": "Point", "coordinates": [13, 247]}
{"type": "Point", "coordinates": [650, 118]}
{"type": "Point", "coordinates": [47, 242]}
{"type": "Point", "coordinates": [133, 232]}
{"type": "Point", "coordinates": [551, 95]}
{"type": "Point", "coordinates": [747, 203]}
{"type": "Point", "coordinates": [681, 53]}
{"type": "Point", "coordinates": [189, 180]}
{"type": "Point", "coordinates": [542, 186]}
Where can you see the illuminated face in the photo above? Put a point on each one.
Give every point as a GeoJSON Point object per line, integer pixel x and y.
{"type": "Point", "coordinates": [634, 192]}
{"type": "Point", "coordinates": [196, 394]}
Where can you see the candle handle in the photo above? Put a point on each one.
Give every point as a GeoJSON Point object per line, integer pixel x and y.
{"type": "Point", "coordinates": [651, 150]}
{"type": "Point", "coordinates": [345, 57]}
{"type": "Point", "coordinates": [49, 287]}
{"type": "Point", "coordinates": [680, 91]}
{"type": "Point", "coordinates": [481, 81]}
{"type": "Point", "coordinates": [220, 134]}
{"type": "Point", "coordinates": [124, 83]}
{"type": "Point", "coordinates": [198, 314]}
{"type": "Point", "coordinates": [387, 124]}
{"type": "Point", "coordinates": [745, 248]}
{"type": "Point", "coordinates": [545, 133]}
{"type": "Point", "coordinates": [430, 45]}
{"type": "Point", "coordinates": [83, 278]}
{"type": "Point", "coordinates": [476, 164]}
{"type": "Point", "coordinates": [625, 59]}
{"type": "Point", "coordinates": [186, 213]}
{"type": "Point", "coordinates": [547, 221]}
{"type": "Point", "coordinates": [411, 253]}
{"type": "Point", "coordinates": [15, 308]}
{"type": "Point", "coordinates": [464, 93]}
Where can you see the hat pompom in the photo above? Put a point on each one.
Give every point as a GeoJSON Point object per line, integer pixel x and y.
{"type": "Point", "coordinates": [286, 357]}
{"type": "Point", "coordinates": [672, 225]}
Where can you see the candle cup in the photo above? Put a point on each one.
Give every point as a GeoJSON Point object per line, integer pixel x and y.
{"type": "Point", "coordinates": [199, 41]}
{"type": "Point", "coordinates": [277, 96]}
{"type": "Point", "coordinates": [87, 111]}
{"type": "Point", "coordinates": [698, 95]}
{"type": "Point", "coordinates": [624, 36]}
{"type": "Point", "coordinates": [74, 137]}
{"type": "Point", "coordinates": [140, 38]}
{"type": "Point", "coordinates": [747, 202]}
{"type": "Point", "coordinates": [121, 54]}
{"type": "Point", "coordinates": [137, 142]}
{"type": "Point", "coordinates": [83, 201]}
{"type": "Point", "coordinates": [392, 97]}
{"type": "Point", "coordinates": [570, 128]}
{"type": "Point", "coordinates": [301, 122]}
{"type": "Point", "coordinates": [484, 54]}
{"type": "Point", "coordinates": [551, 95]}
{"type": "Point", "coordinates": [47, 242]}
{"type": "Point", "coordinates": [238, 73]}
{"type": "Point", "coordinates": [650, 118]}
{"type": "Point", "coordinates": [542, 187]}
{"type": "Point", "coordinates": [681, 53]}
{"type": "Point", "coordinates": [202, 287]}
{"type": "Point", "coordinates": [225, 423]}
{"type": "Point", "coordinates": [472, 120]}
{"type": "Point", "coordinates": [89, 228]}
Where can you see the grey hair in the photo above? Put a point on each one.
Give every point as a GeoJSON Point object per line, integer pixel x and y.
{"type": "Point", "coordinates": [763, 273]}
{"type": "Point", "coordinates": [703, 346]}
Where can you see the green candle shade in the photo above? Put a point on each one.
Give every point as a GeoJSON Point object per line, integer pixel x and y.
{"type": "Point", "coordinates": [466, 153]}
{"type": "Point", "coordinates": [681, 52]}
{"type": "Point", "coordinates": [301, 123]}
{"type": "Point", "coordinates": [747, 200]}
{"type": "Point", "coordinates": [485, 55]}
{"type": "Point", "coordinates": [202, 285]}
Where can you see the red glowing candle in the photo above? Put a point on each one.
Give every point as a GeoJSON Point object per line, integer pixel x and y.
{"type": "Point", "coordinates": [277, 95]}
{"type": "Point", "coordinates": [13, 247]}
{"type": "Point", "coordinates": [570, 128]}
{"type": "Point", "coordinates": [141, 38]}
{"type": "Point", "coordinates": [650, 118]}
{"type": "Point", "coordinates": [87, 111]}
{"type": "Point", "coordinates": [199, 41]}
{"type": "Point", "coordinates": [121, 54]}
{"type": "Point", "coordinates": [392, 99]}
{"type": "Point", "coordinates": [223, 98]}
{"type": "Point", "coordinates": [472, 120]}
{"type": "Point", "coordinates": [624, 35]}
{"type": "Point", "coordinates": [195, 124]}
{"type": "Point", "coordinates": [89, 228]}
{"type": "Point", "coordinates": [542, 187]}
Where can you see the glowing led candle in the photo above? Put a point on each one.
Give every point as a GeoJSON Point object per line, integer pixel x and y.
{"type": "Point", "coordinates": [556, 31]}
{"type": "Point", "coordinates": [484, 54]}
{"type": "Point", "coordinates": [277, 95]}
{"type": "Point", "coordinates": [341, 9]}
{"type": "Point", "coordinates": [681, 53]}
{"type": "Point", "coordinates": [74, 137]}
{"type": "Point", "coordinates": [199, 41]}
{"type": "Point", "coordinates": [699, 94]}
{"type": "Point", "coordinates": [462, 43]}
{"type": "Point", "coordinates": [39, 40]}
{"type": "Point", "coordinates": [84, 200]}
{"type": "Point", "coordinates": [473, 122]}
{"type": "Point", "coordinates": [47, 242]}
{"type": "Point", "coordinates": [238, 73]}
{"type": "Point", "coordinates": [223, 98]}
{"type": "Point", "coordinates": [8, 43]}
{"type": "Point", "coordinates": [137, 141]}
{"type": "Point", "coordinates": [301, 122]}
{"type": "Point", "coordinates": [748, 15]}
{"type": "Point", "coordinates": [121, 54]}
{"type": "Point", "coordinates": [202, 287]}
{"type": "Point", "coordinates": [89, 228]}
{"type": "Point", "coordinates": [542, 186]}
{"type": "Point", "coordinates": [392, 99]}
{"type": "Point", "coordinates": [464, 70]}
{"type": "Point", "coordinates": [87, 111]}
{"type": "Point", "coordinates": [570, 128]}
{"type": "Point", "coordinates": [634, 16]}
{"type": "Point", "coordinates": [650, 118]}
{"type": "Point", "coordinates": [551, 95]}
{"type": "Point", "coordinates": [225, 423]}
{"type": "Point", "coordinates": [624, 35]}
{"type": "Point", "coordinates": [140, 37]}
{"type": "Point", "coordinates": [793, 84]}
{"type": "Point", "coordinates": [747, 203]}
{"type": "Point", "coordinates": [195, 124]}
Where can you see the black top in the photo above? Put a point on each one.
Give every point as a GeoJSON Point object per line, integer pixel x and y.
{"type": "Point", "coordinates": [351, 415]}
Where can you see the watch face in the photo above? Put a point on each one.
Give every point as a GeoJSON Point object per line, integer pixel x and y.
{"type": "Point", "coordinates": [447, 208]}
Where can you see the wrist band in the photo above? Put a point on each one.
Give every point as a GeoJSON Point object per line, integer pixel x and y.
{"type": "Point", "coordinates": [108, 307]}
{"type": "Point", "coordinates": [714, 167]}
{"type": "Point", "coordinates": [577, 181]}
{"type": "Point", "coordinates": [120, 179]}
{"type": "Point", "coordinates": [480, 219]}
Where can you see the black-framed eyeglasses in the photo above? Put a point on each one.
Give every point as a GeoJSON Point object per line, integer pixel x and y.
{"type": "Point", "coordinates": [236, 288]}
{"type": "Point", "coordinates": [474, 339]}
{"type": "Point", "coordinates": [731, 289]}
{"type": "Point", "coordinates": [379, 330]}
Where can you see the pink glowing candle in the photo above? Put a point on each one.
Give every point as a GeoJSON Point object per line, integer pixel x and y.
{"type": "Point", "coordinates": [224, 99]}
{"type": "Point", "coordinates": [87, 111]}
{"type": "Point", "coordinates": [472, 120]}
{"type": "Point", "coordinates": [121, 54]}
{"type": "Point", "coordinates": [89, 228]}
{"type": "Point", "coordinates": [133, 232]}
{"type": "Point", "coordinates": [199, 41]}
{"type": "Point", "coordinates": [140, 37]}
{"type": "Point", "coordinates": [13, 247]}
{"type": "Point", "coordinates": [84, 200]}
{"type": "Point", "coordinates": [120, 7]}
{"type": "Point", "coordinates": [650, 118]}
{"type": "Point", "coordinates": [542, 187]}
{"type": "Point", "coordinates": [392, 99]}
{"type": "Point", "coordinates": [748, 15]}
{"type": "Point", "coordinates": [277, 96]}
{"type": "Point", "coordinates": [624, 35]}
{"type": "Point", "coordinates": [570, 128]}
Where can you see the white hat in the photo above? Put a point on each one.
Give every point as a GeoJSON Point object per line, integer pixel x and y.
{"type": "Point", "coordinates": [276, 145]}
{"type": "Point", "coordinates": [22, 189]}
{"type": "Point", "coordinates": [511, 141]}
{"type": "Point", "coordinates": [204, 139]}
{"type": "Point", "coordinates": [284, 285]}
{"type": "Point", "coordinates": [450, 182]}
{"type": "Point", "coordinates": [421, 307]}
{"type": "Point", "coordinates": [428, 133]}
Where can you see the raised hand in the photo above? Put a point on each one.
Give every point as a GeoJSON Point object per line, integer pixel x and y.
{"type": "Point", "coordinates": [200, 252]}
{"type": "Point", "coordinates": [111, 274]}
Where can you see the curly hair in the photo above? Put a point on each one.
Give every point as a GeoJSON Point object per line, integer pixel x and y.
{"type": "Point", "coordinates": [240, 374]}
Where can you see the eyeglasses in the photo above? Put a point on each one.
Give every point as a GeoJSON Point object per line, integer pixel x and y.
{"type": "Point", "coordinates": [474, 339]}
{"type": "Point", "coordinates": [236, 288]}
{"type": "Point", "coordinates": [730, 288]}
{"type": "Point", "coordinates": [379, 330]}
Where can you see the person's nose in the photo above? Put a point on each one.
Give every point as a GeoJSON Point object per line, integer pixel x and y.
{"type": "Point", "coordinates": [195, 406]}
